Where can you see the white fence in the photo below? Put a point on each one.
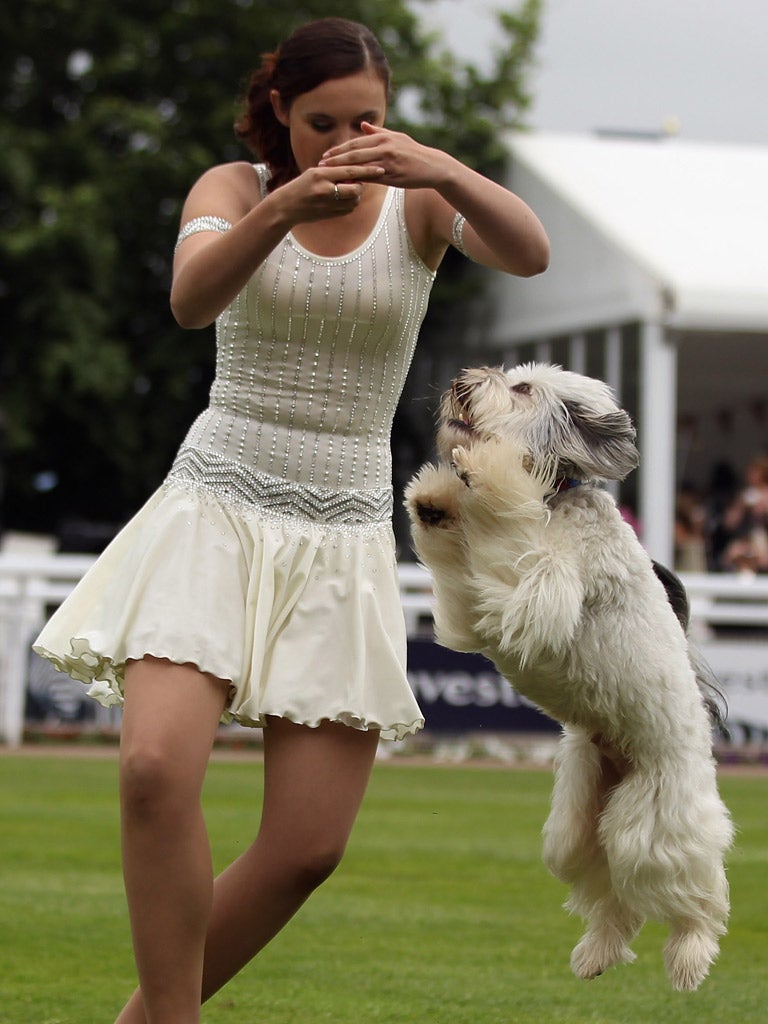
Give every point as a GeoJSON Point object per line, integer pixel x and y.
{"type": "Point", "coordinates": [716, 599]}
{"type": "Point", "coordinates": [29, 584]}
{"type": "Point", "coordinates": [32, 583]}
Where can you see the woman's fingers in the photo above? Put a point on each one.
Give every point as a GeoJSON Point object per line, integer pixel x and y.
{"type": "Point", "coordinates": [344, 196]}
{"type": "Point", "coordinates": [398, 159]}
{"type": "Point", "coordinates": [362, 149]}
{"type": "Point", "coordinates": [358, 161]}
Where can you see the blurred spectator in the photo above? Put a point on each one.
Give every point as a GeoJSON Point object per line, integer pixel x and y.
{"type": "Point", "coordinates": [723, 487]}
{"type": "Point", "coordinates": [690, 537]}
{"type": "Point", "coordinates": [746, 522]}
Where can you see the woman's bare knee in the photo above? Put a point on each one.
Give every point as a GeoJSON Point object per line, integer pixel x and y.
{"type": "Point", "coordinates": [316, 866]}
{"type": "Point", "coordinates": [293, 869]}
{"type": "Point", "coordinates": [169, 723]}
{"type": "Point", "coordinates": [150, 784]}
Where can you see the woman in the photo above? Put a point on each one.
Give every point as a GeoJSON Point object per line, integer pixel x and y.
{"type": "Point", "coordinates": [259, 583]}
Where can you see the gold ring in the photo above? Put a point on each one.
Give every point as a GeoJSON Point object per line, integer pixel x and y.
{"type": "Point", "coordinates": [336, 193]}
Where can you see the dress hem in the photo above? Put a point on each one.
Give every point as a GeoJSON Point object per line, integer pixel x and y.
{"type": "Point", "coordinates": [105, 681]}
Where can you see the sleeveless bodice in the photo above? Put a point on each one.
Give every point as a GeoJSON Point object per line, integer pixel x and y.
{"type": "Point", "coordinates": [312, 357]}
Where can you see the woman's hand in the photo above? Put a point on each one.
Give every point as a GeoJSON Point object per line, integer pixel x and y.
{"type": "Point", "coordinates": [403, 161]}
{"type": "Point", "coordinates": [321, 193]}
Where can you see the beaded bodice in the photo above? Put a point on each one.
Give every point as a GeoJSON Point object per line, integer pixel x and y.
{"type": "Point", "coordinates": [312, 357]}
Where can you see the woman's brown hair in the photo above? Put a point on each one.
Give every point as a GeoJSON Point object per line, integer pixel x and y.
{"type": "Point", "coordinates": [313, 54]}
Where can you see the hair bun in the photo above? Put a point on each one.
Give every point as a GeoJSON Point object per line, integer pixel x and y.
{"type": "Point", "coordinates": [269, 65]}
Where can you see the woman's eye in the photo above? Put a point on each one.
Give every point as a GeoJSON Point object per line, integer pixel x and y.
{"type": "Point", "coordinates": [522, 389]}
{"type": "Point", "coordinates": [321, 126]}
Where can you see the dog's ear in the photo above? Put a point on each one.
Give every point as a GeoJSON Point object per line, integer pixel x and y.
{"type": "Point", "coordinates": [597, 444]}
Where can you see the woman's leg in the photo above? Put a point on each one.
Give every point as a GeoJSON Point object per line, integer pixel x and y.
{"type": "Point", "coordinates": [314, 782]}
{"type": "Point", "coordinates": [169, 724]}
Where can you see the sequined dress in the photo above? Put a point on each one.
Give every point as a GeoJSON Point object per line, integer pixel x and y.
{"type": "Point", "coordinates": [267, 556]}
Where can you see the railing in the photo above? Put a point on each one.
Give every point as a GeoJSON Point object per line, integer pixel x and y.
{"type": "Point", "coordinates": [732, 599]}
{"type": "Point", "coordinates": [716, 599]}
{"type": "Point", "coordinates": [30, 584]}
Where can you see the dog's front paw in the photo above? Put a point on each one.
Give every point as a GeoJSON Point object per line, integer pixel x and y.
{"type": "Point", "coordinates": [431, 497]}
{"type": "Point", "coordinates": [430, 515]}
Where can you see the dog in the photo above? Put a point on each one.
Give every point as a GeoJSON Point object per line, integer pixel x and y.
{"type": "Point", "coordinates": [534, 567]}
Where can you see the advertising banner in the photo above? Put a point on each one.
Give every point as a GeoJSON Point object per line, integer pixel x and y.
{"type": "Point", "coordinates": [741, 669]}
{"type": "Point", "coordinates": [464, 692]}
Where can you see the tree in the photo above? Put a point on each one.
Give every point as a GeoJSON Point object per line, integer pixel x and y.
{"type": "Point", "coordinates": [108, 113]}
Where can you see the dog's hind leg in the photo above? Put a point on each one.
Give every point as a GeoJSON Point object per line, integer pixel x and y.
{"type": "Point", "coordinates": [574, 854]}
{"type": "Point", "coordinates": [666, 832]}
{"type": "Point", "coordinates": [688, 954]}
{"type": "Point", "coordinates": [611, 925]}
{"type": "Point", "coordinates": [571, 841]}
{"type": "Point", "coordinates": [693, 942]}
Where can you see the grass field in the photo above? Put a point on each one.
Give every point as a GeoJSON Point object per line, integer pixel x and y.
{"type": "Point", "coordinates": [441, 913]}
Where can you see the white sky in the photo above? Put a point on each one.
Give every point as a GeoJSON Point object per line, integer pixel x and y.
{"type": "Point", "coordinates": [634, 64]}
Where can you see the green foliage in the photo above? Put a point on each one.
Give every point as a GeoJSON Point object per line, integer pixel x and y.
{"type": "Point", "coordinates": [441, 910]}
{"type": "Point", "coordinates": [108, 113]}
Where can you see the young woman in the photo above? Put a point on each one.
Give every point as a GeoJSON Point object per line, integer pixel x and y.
{"type": "Point", "coordinates": [259, 583]}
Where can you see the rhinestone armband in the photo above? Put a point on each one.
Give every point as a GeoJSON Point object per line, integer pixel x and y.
{"type": "Point", "coordinates": [457, 234]}
{"type": "Point", "coordinates": [202, 224]}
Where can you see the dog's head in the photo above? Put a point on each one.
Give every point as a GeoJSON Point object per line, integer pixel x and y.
{"type": "Point", "coordinates": [556, 415]}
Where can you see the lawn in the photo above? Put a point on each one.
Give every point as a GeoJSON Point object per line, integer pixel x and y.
{"type": "Point", "coordinates": [440, 914]}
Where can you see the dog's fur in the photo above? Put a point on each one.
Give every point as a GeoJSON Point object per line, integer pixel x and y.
{"type": "Point", "coordinates": [533, 566]}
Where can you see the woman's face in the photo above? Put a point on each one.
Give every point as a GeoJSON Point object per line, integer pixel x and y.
{"type": "Point", "coordinates": [331, 114]}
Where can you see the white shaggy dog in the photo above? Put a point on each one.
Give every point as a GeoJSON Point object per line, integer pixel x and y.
{"type": "Point", "coordinates": [533, 566]}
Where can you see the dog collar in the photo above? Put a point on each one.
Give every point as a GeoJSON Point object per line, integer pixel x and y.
{"type": "Point", "coordinates": [565, 483]}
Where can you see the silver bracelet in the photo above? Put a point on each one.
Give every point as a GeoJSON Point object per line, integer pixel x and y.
{"type": "Point", "coordinates": [202, 224]}
{"type": "Point", "coordinates": [457, 234]}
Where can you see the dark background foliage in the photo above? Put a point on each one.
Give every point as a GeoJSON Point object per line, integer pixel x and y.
{"type": "Point", "coordinates": [108, 113]}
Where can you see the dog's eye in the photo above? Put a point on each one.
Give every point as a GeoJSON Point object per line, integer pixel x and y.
{"type": "Point", "coordinates": [522, 388]}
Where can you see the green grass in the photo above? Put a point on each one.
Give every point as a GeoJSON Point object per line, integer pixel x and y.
{"type": "Point", "coordinates": [440, 914]}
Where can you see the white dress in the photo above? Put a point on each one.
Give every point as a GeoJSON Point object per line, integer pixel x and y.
{"type": "Point", "coordinates": [267, 556]}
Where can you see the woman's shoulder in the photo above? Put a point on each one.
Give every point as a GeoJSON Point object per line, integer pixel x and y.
{"type": "Point", "coordinates": [236, 184]}
{"type": "Point", "coordinates": [237, 172]}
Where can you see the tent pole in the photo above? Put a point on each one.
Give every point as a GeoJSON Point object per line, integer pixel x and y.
{"type": "Point", "coordinates": [657, 440]}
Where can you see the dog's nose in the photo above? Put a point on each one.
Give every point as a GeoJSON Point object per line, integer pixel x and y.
{"type": "Point", "coordinates": [468, 380]}
{"type": "Point", "coordinates": [462, 389]}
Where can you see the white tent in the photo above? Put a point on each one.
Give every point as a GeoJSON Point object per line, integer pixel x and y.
{"type": "Point", "coordinates": [659, 284]}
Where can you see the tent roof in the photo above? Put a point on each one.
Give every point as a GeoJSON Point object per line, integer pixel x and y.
{"type": "Point", "coordinates": [690, 217]}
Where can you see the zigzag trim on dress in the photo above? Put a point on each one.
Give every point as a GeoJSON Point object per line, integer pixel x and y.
{"type": "Point", "coordinates": [259, 492]}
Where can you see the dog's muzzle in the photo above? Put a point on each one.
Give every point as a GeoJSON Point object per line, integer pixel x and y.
{"type": "Point", "coordinates": [459, 404]}
{"type": "Point", "coordinates": [461, 415]}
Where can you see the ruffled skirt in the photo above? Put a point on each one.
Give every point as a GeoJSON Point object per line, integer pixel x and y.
{"type": "Point", "coordinates": [302, 618]}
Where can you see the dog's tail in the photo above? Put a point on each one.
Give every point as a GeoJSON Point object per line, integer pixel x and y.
{"type": "Point", "coordinates": [714, 698]}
